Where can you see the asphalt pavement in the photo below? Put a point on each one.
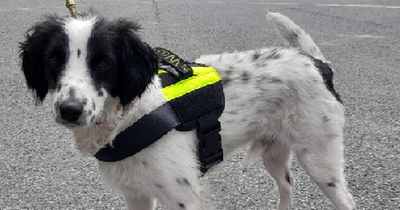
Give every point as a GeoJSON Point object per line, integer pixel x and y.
{"type": "Point", "coordinates": [40, 169]}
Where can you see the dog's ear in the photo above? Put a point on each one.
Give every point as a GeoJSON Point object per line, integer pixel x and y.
{"type": "Point", "coordinates": [32, 55]}
{"type": "Point", "coordinates": [137, 63]}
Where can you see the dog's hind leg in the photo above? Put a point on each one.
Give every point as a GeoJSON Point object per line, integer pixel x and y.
{"type": "Point", "coordinates": [136, 201]}
{"type": "Point", "coordinates": [323, 161]}
{"type": "Point", "coordinates": [276, 159]}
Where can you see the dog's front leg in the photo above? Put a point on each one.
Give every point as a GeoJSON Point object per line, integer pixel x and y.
{"type": "Point", "coordinates": [137, 201]}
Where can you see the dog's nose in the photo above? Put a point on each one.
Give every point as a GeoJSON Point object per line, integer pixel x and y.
{"type": "Point", "coordinates": [70, 111]}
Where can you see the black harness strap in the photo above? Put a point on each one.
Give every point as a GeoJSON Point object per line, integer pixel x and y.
{"type": "Point", "coordinates": [155, 125]}
{"type": "Point", "coordinates": [140, 135]}
{"type": "Point", "coordinates": [210, 149]}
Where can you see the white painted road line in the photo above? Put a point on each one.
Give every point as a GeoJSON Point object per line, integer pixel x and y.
{"type": "Point", "coordinates": [360, 6]}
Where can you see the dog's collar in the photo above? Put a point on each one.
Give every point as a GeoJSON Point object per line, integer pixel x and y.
{"type": "Point", "coordinates": [195, 101]}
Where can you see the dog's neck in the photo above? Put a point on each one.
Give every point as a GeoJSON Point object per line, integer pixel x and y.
{"type": "Point", "coordinates": [90, 139]}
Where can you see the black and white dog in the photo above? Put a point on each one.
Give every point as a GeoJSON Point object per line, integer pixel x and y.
{"type": "Point", "coordinates": [280, 101]}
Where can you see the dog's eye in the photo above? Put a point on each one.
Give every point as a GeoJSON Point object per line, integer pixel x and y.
{"type": "Point", "coordinates": [104, 64]}
{"type": "Point", "coordinates": [52, 60]}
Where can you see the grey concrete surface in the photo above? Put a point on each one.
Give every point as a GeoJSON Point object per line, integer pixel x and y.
{"type": "Point", "coordinates": [40, 169]}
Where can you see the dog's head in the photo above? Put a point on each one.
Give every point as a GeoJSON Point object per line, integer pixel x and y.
{"type": "Point", "coordinates": [83, 62]}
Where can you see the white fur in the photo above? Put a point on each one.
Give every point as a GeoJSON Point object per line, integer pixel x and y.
{"type": "Point", "coordinates": [277, 103]}
{"type": "Point", "coordinates": [76, 76]}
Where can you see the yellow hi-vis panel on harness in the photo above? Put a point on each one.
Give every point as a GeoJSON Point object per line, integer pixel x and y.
{"type": "Point", "coordinates": [202, 76]}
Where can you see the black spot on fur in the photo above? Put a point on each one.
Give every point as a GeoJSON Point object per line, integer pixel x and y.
{"type": "Point", "coordinates": [58, 88]}
{"type": "Point", "coordinates": [332, 136]}
{"type": "Point", "coordinates": [294, 37]}
{"type": "Point", "coordinates": [226, 80]}
{"type": "Point", "coordinates": [275, 80]}
{"type": "Point", "coordinates": [159, 186]}
{"type": "Point", "coordinates": [232, 112]}
{"type": "Point", "coordinates": [326, 119]}
{"type": "Point", "coordinates": [79, 53]}
{"type": "Point", "coordinates": [183, 181]}
{"type": "Point", "coordinates": [261, 64]}
{"type": "Point", "coordinates": [245, 77]}
{"type": "Point", "coordinates": [72, 93]}
{"type": "Point", "coordinates": [181, 205]}
{"type": "Point", "coordinates": [278, 102]}
{"type": "Point", "coordinates": [100, 93]}
{"type": "Point", "coordinates": [331, 184]}
{"type": "Point", "coordinates": [90, 112]}
{"type": "Point", "coordinates": [268, 141]}
{"type": "Point", "coordinates": [230, 70]}
{"type": "Point", "coordinates": [92, 119]}
{"type": "Point", "coordinates": [273, 54]}
{"type": "Point", "coordinates": [256, 55]}
{"type": "Point", "coordinates": [144, 163]}
{"type": "Point", "coordinates": [93, 106]}
{"type": "Point", "coordinates": [57, 104]}
{"type": "Point", "coordinates": [287, 177]}
{"type": "Point", "coordinates": [270, 111]}
{"type": "Point", "coordinates": [327, 74]}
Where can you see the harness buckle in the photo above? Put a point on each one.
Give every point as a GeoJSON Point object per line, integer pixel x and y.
{"type": "Point", "coordinates": [210, 148]}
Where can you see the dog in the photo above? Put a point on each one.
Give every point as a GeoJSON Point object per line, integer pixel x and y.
{"type": "Point", "coordinates": [280, 101]}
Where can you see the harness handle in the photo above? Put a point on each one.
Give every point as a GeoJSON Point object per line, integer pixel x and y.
{"type": "Point", "coordinates": [181, 66]}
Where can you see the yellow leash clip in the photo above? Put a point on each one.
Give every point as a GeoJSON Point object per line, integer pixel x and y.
{"type": "Point", "coordinates": [71, 6]}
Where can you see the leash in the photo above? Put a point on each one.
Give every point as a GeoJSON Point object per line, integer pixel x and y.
{"type": "Point", "coordinates": [71, 6]}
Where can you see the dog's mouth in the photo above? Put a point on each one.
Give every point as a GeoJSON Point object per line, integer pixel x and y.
{"type": "Point", "coordinates": [83, 121]}
{"type": "Point", "coordinates": [68, 124]}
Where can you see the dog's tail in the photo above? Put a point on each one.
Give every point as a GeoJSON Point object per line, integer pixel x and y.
{"type": "Point", "coordinates": [294, 35]}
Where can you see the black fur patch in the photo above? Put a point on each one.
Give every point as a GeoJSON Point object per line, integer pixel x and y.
{"type": "Point", "coordinates": [183, 181]}
{"type": "Point", "coordinates": [43, 55]}
{"type": "Point", "coordinates": [273, 54]}
{"type": "Point", "coordinates": [287, 177]}
{"type": "Point", "coordinates": [331, 184]}
{"type": "Point", "coordinates": [327, 74]}
{"type": "Point", "coordinates": [245, 77]}
{"type": "Point", "coordinates": [119, 61]}
{"type": "Point", "coordinates": [256, 55]}
{"type": "Point", "coordinates": [226, 80]}
{"type": "Point", "coordinates": [79, 53]}
{"type": "Point", "coordinates": [181, 205]}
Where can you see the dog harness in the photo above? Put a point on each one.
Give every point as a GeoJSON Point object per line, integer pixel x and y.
{"type": "Point", "coordinates": [195, 100]}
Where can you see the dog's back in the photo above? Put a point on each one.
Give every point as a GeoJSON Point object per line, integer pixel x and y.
{"type": "Point", "coordinates": [282, 101]}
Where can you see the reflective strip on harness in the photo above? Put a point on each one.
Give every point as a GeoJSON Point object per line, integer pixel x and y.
{"type": "Point", "coordinates": [202, 76]}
